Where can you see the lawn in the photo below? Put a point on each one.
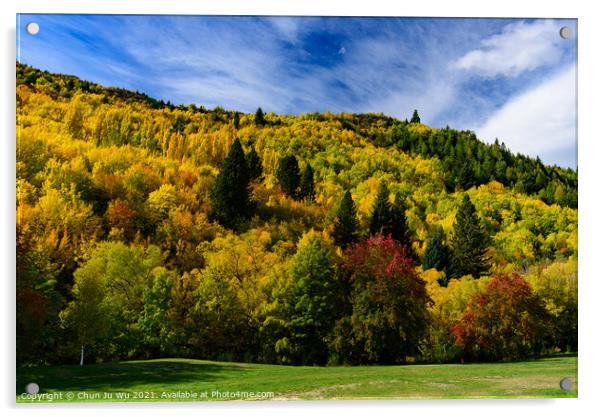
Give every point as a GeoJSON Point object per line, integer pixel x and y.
{"type": "Point", "coordinates": [198, 380]}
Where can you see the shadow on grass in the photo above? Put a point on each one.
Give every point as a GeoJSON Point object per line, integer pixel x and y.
{"type": "Point", "coordinates": [123, 376]}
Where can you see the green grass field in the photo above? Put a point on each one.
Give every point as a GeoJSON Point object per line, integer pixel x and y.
{"type": "Point", "coordinates": [178, 379]}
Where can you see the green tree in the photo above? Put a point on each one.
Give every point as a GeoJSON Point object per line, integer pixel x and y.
{"type": "Point", "coordinates": [156, 328]}
{"type": "Point", "coordinates": [259, 117]}
{"type": "Point", "coordinates": [254, 165]}
{"type": "Point", "coordinates": [399, 223]}
{"type": "Point", "coordinates": [307, 186]}
{"type": "Point", "coordinates": [312, 302]}
{"type": "Point", "coordinates": [381, 220]}
{"type": "Point", "coordinates": [288, 175]}
{"type": "Point", "coordinates": [346, 225]}
{"type": "Point", "coordinates": [236, 121]}
{"type": "Point", "coordinates": [469, 242]}
{"type": "Point", "coordinates": [437, 254]}
{"type": "Point", "coordinates": [415, 117]}
{"type": "Point", "coordinates": [230, 197]}
{"type": "Point", "coordinates": [223, 327]}
{"type": "Point", "coordinates": [108, 298]}
{"type": "Point", "coordinates": [89, 315]}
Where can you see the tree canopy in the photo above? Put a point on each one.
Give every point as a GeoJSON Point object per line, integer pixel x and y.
{"type": "Point", "coordinates": [151, 215]}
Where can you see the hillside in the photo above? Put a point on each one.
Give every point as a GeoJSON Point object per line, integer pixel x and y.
{"type": "Point", "coordinates": [115, 192]}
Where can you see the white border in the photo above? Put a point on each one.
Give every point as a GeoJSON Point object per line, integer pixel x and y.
{"type": "Point", "coordinates": [589, 73]}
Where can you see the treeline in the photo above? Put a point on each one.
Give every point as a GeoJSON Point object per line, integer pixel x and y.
{"type": "Point", "coordinates": [65, 86]}
{"type": "Point", "coordinates": [468, 161]}
{"type": "Point", "coordinates": [146, 232]}
{"type": "Point", "coordinates": [366, 305]}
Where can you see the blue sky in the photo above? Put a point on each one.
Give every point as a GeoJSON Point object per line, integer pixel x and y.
{"type": "Point", "coordinates": [514, 79]}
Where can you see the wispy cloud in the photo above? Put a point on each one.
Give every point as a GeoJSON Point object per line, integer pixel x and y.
{"type": "Point", "coordinates": [305, 64]}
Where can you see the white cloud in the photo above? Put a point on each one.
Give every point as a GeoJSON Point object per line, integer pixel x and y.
{"type": "Point", "coordinates": [520, 47]}
{"type": "Point", "coordinates": [540, 122]}
{"type": "Point", "coordinates": [287, 27]}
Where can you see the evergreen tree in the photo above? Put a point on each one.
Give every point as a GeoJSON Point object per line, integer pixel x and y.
{"type": "Point", "coordinates": [469, 243]}
{"type": "Point", "coordinates": [230, 197]}
{"type": "Point", "coordinates": [307, 187]}
{"type": "Point", "coordinates": [254, 165]}
{"type": "Point", "coordinates": [381, 212]}
{"type": "Point", "coordinates": [437, 255]}
{"type": "Point", "coordinates": [288, 175]}
{"type": "Point", "coordinates": [259, 117]}
{"type": "Point", "coordinates": [415, 117]}
{"type": "Point", "coordinates": [399, 223]}
{"type": "Point", "coordinates": [346, 225]}
{"type": "Point", "coordinates": [236, 121]}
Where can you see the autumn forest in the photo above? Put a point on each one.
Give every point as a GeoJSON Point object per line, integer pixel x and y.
{"type": "Point", "coordinates": [151, 230]}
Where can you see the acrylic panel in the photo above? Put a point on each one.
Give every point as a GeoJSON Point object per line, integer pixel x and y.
{"type": "Point", "coordinates": [216, 208]}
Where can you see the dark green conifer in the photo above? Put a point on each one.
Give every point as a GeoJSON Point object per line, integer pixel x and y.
{"type": "Point", "coordinates": [346, 225]}
{"type": "Point", "coordinates": [469, 243]}
{"type": "Point", "coordinates": [437, 255]}
{"type": "Point", "coordinates": [288, 175]}
{"type": "Point", "coordinates": [307, 187]}
{"type": "Point", "coordinates": [415, 117]}
{"type": "Point", "coordinates": [381, 212]}
{"type": "Point", "coordinates": [399, 226]}
{"type": "Point", "coordinates": [230, 197]}
{"type": "Point", "coordinates": [254, 165]}
{"type": "Point", "coordinates": [259, 117]}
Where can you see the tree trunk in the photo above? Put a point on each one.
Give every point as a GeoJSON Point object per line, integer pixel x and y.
{"type": "Point", "coordinates": [81, 357]}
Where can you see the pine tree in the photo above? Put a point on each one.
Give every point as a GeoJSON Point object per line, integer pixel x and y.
{"type": "Point", "coordinates": [230, 197]}
{"type": "Point", "coordinates": [254, 165]}
{"type": "Point", "coordinates": [415, 117]}
{"type": "Point", "coordinates": [381, 212]}
{"type": "Point", "coordinates": [346, 225]}
{"type": "Point", "coordinates": [307, 187]}
{"type": "Point", "coordinates": [399, 223]}
{"type": "Point", "coordinates": [288, 175]}
{"type": "Point", "coordinates": [437, 255]}
{"type": "Point", "coordinates": [236, 121]}
{"type": "Point", "coordinates": [469, 243]}
{"type": "Point", "coordinates": [259, 117]}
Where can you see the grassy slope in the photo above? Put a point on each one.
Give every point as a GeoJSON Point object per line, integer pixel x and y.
{"type": "Point", "coordinates": [538, 378]}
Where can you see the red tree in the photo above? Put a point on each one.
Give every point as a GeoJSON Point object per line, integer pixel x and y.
{"type": "Point", "coordinates": [387, 303]}
{"type": "Point", "coordinates": [505, 321]}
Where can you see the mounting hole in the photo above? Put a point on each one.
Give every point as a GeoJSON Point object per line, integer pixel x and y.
{"type": "Point", "coordinates": [566, 384]}
{"type": "Point", "coordinates": [32, 388]}
{"type": "Point", "coordinates": [32, 28]}
{"type": "Point", "coordinates": [566, 32]}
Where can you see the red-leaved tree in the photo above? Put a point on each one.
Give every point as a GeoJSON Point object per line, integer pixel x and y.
{"type": "Point", "coordinates": [505, 321]}
{"type": "Point", "coordinates": [387, 304]}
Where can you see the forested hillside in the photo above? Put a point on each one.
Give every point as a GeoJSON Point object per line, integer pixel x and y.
{"type": "Point", "coordinates": [150, 230]}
